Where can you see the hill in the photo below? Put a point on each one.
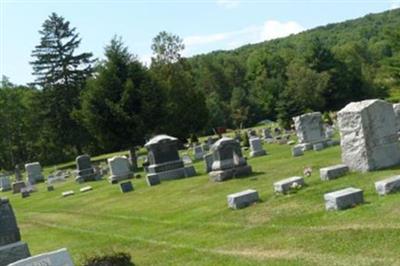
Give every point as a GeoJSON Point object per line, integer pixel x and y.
{"type": "Point", "coordinates": [187, 222]}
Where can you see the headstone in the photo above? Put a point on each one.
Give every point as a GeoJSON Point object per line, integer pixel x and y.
{"type": "Point", "coordinates": [396, 109]}
{"type": "Point", "coordinates": [329, 132]}
{"type": "Point", "coordinates": [120, 169]}
{"type": "Point", "coordinates": [17, 186]}
{"type": "Point", "coordinates": [51, 179]}
{"type": "Point", "coordinates": [242, 199]}
{"type": "Point", "coordinates": [205, 147]}
{"type": "Point", "coordinates": [343, 199]}
{"type": "Point", "coordinates": [164, 159]}
{"type": "Point", "coordinates": [266, 133]}
{"type": "Point", "coordinates": [25, 193]}
{"type": "Point", "coordinates": [333, 172]}
{"type": "Point", "coordinates": [297, 151]}
{"type": "Point", "coordinates": [318, 146]}
{"type": "Point", "coordinates": [34, 173]}
{"type": "Point", "coordinates": [59, 257]}
{"type": "Point", "coordinates": [256, 147]}
{"type": "Point", "coordinates": [11, 247]}
{"type": "Point", "coordinates": [309, 128]}
{"type": "Point", "coordinates": [208, 160]}
{"type": "Point", "coordinates": [85, 171]}
{"type": "Point", "coordinates": [68, 193]}
{"type": "Point", "coordinates": [86, 189]}
{"type": "Point", "coordinates": [5, 183]}
{"type": "Point", "coordinates": [152, 180]}
{"type": "Point", "coordinates": [286, 185]}
{"type": "Point", "coordinates": [198, 152]}
{"type": "Point", "coordinates": [368, 134]}
{"type": "Point", "coordinates": [228, 161]}
{"type": "Point", "coordinates": [126, 186]}
{"type": "Point", "coordinates": [388, 185]}
{"type": "Point", "coordinates": [186, 159]}
{"type": "Point", "coordinates": [50, 188]}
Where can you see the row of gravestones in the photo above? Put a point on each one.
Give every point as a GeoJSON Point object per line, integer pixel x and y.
{"type": "Point", "coordinates": [14, 252]}
{"type": "Point", "coordinates": [369, 141]}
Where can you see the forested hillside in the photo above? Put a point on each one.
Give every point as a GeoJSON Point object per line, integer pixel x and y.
{"type": "Point", "coordinates": [78, 104]}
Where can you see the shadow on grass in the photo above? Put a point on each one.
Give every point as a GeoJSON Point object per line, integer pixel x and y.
{"type": "Point", "coordinates": [253, 176]}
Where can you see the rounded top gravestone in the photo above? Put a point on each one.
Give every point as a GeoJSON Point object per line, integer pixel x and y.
{"type": "Point", "coordinates": [83, 162]}
{"type": "Point", "coordinates": [9, 231]}
{"type": "Point", "coordinates": [160, 139]}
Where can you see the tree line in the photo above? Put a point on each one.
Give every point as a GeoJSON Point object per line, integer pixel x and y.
{"type": "Point", "coordinates": [81, 105]}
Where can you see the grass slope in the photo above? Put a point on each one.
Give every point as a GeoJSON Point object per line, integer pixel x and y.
{"type": "Point", "coordinates": [187, 222]}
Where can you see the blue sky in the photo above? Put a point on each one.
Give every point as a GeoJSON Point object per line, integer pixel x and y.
{"type": "Point", "coordinates": [204, 25]}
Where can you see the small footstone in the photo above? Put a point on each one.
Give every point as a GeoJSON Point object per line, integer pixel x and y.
{"type": "Point", "coordinates": [152, 180]}
{"type": "Point", "coordinates": [318, 146]}
{"type": "Point", "coordinates": [333, 172]}
{"type": "Point", "coordinates": [297, 151]}
{"type": "Point", "coordinates": [388, 185]}
{"type": "Point", "coordinates": [343, 199]}
{"type": "Point", "coordinates": [285, 185]}
{"type": "Point", "coordinates": [126, 186]}
{"type": "Point", "coordinates": [25, 194]}
{"type": "Point", "coordinates": [242, 199]}
{"type": "Point", "coordinates": [68, 193]}
{"type": "Point", "coordinates": [86, 189]}
{"type": "Point", "coordinates": [50, 188]}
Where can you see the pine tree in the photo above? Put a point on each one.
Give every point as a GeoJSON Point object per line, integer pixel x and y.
{"type": "Point", "coordinates": [55, 61]}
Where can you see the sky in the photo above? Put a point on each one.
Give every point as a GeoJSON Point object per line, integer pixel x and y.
{"type": "Point", "coordinates": [204, 25]}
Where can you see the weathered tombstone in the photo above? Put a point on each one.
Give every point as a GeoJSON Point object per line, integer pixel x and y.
{"type": "Point", "coordinates": [329, 132]}
{"type": "Point", "coordinates": [297, 151]}
{"type": "Point", "coordinates": [59, 257]}
{"type": "Point", "coordinates": [152, 180]}
{"type": "Point", "coordinates": [17, 186]}
{"type": "Point", "coordinates": [34, 173]}
{"type": "Point", "coordinates": [5, 183]}
{"type": "Point", "coordinates": [266, 133]}
{"type": "Point", "coordinates": [126, 186]}
{"type": "Point", "coordinates": [85, 171]}
{"type": "Point", "coordinates": [120, 169]}
{"type": "Point", "coordinates": [343, 199]}
{"type": "Point", "coordinates": [309, 128]}
{"type": "Point", "coordinates": [186, 159]}
{"type": "Point", "coordinates": [164, 159]}
{"type": "Point", "coordinates": [256, 147]}
{"type": "Point", "coordinates": [208, 160]}
{"type": "Point", "coordinates": [396, 109]}
{"type": "Point", "coordinates": [368, 134]}
{"type": "Point", "coordinates": [242, 199]}
{"type": "Point", "coordinates": [228, 161]}
{"type": "Point", "coordinates": [318, 146]}
{"type": "Point", "coordinates": [25, 193]}
{"type": "Point", "coordinates": [286, 185]}
{"type": "Point", "coordinates": [388, 185]}
{"type": "Point", "coordinates": [11, 247]}
{"type": "Point", "coordinates": [198, 152]}
{"type": "Point", "coordinates": [333, 172]}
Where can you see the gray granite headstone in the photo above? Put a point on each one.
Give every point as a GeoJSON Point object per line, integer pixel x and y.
{"type": "Point", "coordinates": [297, 151]}
{"type": "Point", "coordinates": [309, 128]}
{"type": "Point", "coordinates": [11, 247]}
{"type": "Point", "coordinates": [333, 172]}
{"type": "Point", "coordinates": [152, 180]}
{"type": "Point", "coordinates": [388, 185]}
{"type": "Point", "coordinates": [17, 186]}
{"type": "Point", "coordinates": [368, 134]}
{"type": "Point", "coordinates": [34, 173]}
{"type": "Point", "coordinates": [59, 257]}
{"type": "Point", "coordinates": [286, 185]}
{"type": "Point", "coordinates": [198, 152]}
{"type": "Point", "coordinates": [84, 168]}
{"type": "Point", "coordinates": [242, 199]}
{"type": "Point", "coordinates": [256, 147]}
{"type": "Point", "coordinates": [5, 183]}
{"type": "Point", "coordinates": [343, 199]}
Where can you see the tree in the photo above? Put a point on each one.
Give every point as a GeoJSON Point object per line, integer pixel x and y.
{"type": "Point", "coordinates": [55, 61]}
{"type": "Point", "coordinates": [166, 48]}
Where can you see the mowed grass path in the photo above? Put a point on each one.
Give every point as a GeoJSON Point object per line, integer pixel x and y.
{"type": "Point", "coordinates": [187, 222]}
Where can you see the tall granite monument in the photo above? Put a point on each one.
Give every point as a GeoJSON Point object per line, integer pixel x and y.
{"type": "Point", "coordinates": [228, 161]}
{"type": "Point", "coordinates": [368, 133]}
{"type": "Point", "coordinates": [164, 159]}
{"type": "Point", "coordinates": [11, 247]}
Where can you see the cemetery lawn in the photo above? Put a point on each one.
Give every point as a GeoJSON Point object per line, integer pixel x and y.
{"type": "Point", "coordinates": [187, 222]}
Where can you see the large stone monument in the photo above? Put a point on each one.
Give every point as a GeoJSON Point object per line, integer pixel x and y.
{"type": "Point", "coordinates": [309, 128]}
{"type": "Point", "coordinates": [84, 169]}
{"type": "Point", "coordinates": [368, 135]}
{"type": "Point", "coordinates": [228, 161]}
{"type": "Point", "coordinates": [11, 247]}
{"type": "Point", "coordinates": [120, 169]}
{"type": "Point", "coordinates": [164, 159]}
{"type": "Point", "coordinates": [34, 173]}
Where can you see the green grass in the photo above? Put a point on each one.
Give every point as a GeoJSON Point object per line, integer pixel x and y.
{"type": "Point", "coordinates": [187, 222]}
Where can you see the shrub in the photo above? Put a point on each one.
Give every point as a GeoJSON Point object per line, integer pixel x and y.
{"type": "Point", "coordinates": [116, 259]}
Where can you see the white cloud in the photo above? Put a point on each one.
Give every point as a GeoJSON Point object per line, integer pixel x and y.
{"type": "Point", "coordinates": [271, 29]}
{"type": "Point", "coordinates": [228, 3]}
{"type": "Point", "coordinates": [395, 4]}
